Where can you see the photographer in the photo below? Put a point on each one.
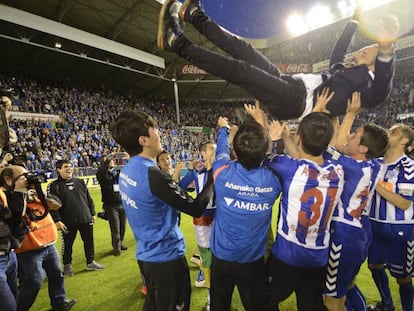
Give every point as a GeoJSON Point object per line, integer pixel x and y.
{"type": "Point", "coordinates": [37, 253]}
{"type": "Point", "coordinates": [12, 231]}
{"type": "Point", "coordinates": [76, 214]}
{"type": "Point", "coordinates": [107, 176]}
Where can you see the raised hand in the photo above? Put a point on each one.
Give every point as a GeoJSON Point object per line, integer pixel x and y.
{"type": "Point", "coordinates": [323, 98]}
{"type": "Point", "coordinates": [223, 122]}
{"type": "Point", "coordinates": [256, 112]}
{"type": "Point", "coordinates": [276, 130]}
{"type": "Point", "coordinates": [387, 32]}
{"type": "Point", "coordinates": [354, 104]}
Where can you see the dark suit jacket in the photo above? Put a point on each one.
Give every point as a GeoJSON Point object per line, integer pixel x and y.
{"type": "Point", "coordinates": [344, 81]}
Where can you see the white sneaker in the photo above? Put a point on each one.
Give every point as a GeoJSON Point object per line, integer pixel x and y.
{"type": "Point", "coordinates": [94, 266]}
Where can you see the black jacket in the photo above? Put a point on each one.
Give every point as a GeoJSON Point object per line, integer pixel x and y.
{"type": "Point", "coordinates": [12, 227]}
{"type": "Point", "coordinates": [344, 81]}
{"type": "Point", "coordinates": [77, 204]}
{"type": "Point", "coordinates": [107, 180]}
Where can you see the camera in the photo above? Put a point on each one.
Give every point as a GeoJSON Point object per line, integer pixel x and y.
{"type": "Point", "coordinates": [35, 178]}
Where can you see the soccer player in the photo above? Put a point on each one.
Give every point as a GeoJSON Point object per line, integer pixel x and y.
{"type": "Point", "coordinates": [348, 247]}
{"type": "Point", "coordinates": [203, 224]}
{"type": "Point", "coordinates": [245, 194]}
{"type": "Point", "coordinates": [311, 189]}
{"type": "Point", "coordinates": [286, 97]}
{"type": "Point", "coordinates": [152, 201]}
{"type": "Point", "coordinates": [392, 221]}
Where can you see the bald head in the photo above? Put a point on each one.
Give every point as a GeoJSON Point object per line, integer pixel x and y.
{"type": "Point", "coordinates": [365, 56]}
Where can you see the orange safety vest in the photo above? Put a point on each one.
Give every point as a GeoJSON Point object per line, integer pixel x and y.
{"type": "Point", "coordinates": [41, 233]}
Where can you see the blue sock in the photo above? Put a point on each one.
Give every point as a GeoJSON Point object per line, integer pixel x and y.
{"type": "Point", "coordinates": [348, 306]}
{"type": "Point", "coordinates": [381, 280]}
{"type": "Point", "coordinates": [407, 294]}
{"type": "Point", "coordinates": [356, 299]}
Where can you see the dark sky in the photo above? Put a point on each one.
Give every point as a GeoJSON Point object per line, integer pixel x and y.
{"type": "Point", "coordinates": [256, 18]}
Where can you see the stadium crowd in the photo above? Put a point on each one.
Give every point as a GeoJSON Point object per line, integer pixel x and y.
{"type": "Point", "coordinates": [83, 136]}
{"type": "Point", "coordinates": [345, 195]}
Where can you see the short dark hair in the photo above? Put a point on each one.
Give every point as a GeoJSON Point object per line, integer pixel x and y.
{"type": "Point", "coordinates": [161, 153]}
{"type": "Point", "coordinates": [128, 127]}
{"type": "Point", "coordinates": [315, 131]}
{"type": "Point", "coordinates": [6, 172]}
{"type": "Point", "coordinates": [59, 163]}
{"type": "Point", "coordinates": [251, 144]}
{"type": "Point", "coordinates": [375, 138]}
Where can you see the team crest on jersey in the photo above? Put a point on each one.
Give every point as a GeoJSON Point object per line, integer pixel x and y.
{"type": "Point", "coordinates": [333, 152]}
{"type": "Point", "coordinates": [406, 189]}
{"type": "Point", "coordinates": [392, 174]}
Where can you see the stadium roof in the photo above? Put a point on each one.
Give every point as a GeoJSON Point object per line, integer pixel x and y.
{"type": "Point", "coordinates": [102, 42]}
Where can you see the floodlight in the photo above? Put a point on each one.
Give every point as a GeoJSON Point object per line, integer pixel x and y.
{"type": "Point", "coordinates": [345, 8]}
{"type": "Point", "coordinates": [319, 16]}
{"type": "Point", "coordinates": [296, 25]}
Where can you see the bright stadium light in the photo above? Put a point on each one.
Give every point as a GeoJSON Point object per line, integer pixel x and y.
{"type": "Point", "coordinates": [296, 25]}
{"type": "Point", "coordinates": [319, 16]}
{"type": "Point", "coordinates": [345, 8]}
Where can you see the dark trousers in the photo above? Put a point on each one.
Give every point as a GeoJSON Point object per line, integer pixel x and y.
{"type": "Point", "coordinates": [307, 283]}
{"type": "Point", "coordinates": [249, 279]}
{"type": "Point", "coordinates": [32, 268]}
{"type": "Point", "coordinates": [117, 220]}
{"type": "Point", "coordinates": [168, 285]}
{"type": "Point", "coordinates": [280, 94]}
{"type": "Point", "coordinates": [86, 232]}
{"type": "Point", "coordinates": [8, 282]}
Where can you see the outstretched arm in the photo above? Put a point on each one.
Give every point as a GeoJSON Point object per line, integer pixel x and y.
{"type": "Point", "coordinates": [388, 29]}
{"type": "Point", "coordinates": [257, 113]}
{"type": "Point", "coordinates": [163, 187]}
{"type": "Point", "coordinates": [223, 145]}
{"type": "Point", "coordinates": [341, 46]}
{"type": "Point", "coordinates": [354, 107]}
{"type": "Point", "coordinates": [278, 131]}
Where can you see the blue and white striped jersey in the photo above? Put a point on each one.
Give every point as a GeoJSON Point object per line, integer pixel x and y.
{"type": "Point", "coordinates": [310, 193]}
{"type": "Point", "coordinates": [399, 178]}
{"type": "Point", "coordinates": [360, 180]}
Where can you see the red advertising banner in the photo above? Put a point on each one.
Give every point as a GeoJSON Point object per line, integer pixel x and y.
{"type": "Point", "coordinates": [295, 68]}
{"type": "Point", "coordinates": [188, 69]}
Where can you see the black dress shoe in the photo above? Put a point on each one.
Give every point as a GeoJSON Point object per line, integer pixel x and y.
{"type": "Point", "coordinates": [67, 305]}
